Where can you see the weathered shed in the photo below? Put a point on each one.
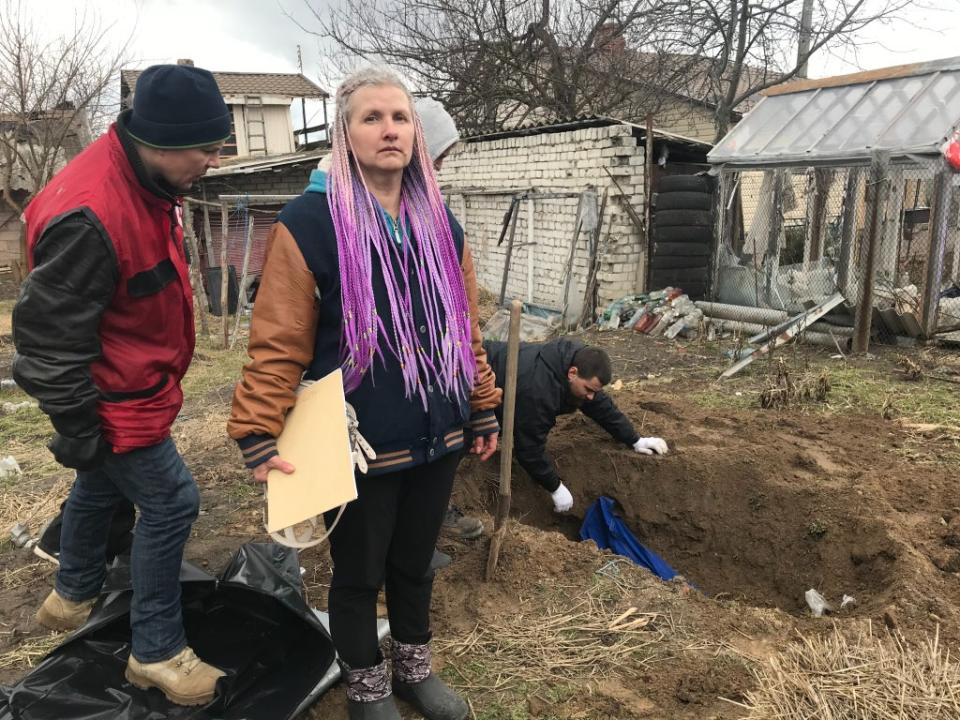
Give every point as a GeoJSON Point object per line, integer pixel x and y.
{"type": "Point", "coordinates": [840, 184]}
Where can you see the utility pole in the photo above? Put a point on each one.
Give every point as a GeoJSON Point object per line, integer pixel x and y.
{"type": "Point", "coordinates": [803, 44]}
{"type": "Point", "coordinates": [303, 101]}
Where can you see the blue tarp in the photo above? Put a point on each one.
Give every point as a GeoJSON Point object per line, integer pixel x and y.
{"type": "Point", "coordinates": [610, 532]}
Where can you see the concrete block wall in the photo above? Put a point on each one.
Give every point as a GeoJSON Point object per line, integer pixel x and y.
{"type": "Point", "coordinates": [285, 180]}
{"type": "Point", "coordinates": [564, 162]}
{"type": "Point", "coordinates": [10, 229]}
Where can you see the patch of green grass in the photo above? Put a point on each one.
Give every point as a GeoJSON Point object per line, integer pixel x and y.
{"type": "Point", "coordinates": [868, 390]}
{"type": "Point", "coordinates": [853, 389]}
{"type": "Point", "coordinates": [24, 427]}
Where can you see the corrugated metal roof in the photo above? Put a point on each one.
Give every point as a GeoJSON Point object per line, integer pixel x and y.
{"type": "Point", "coordinates": [248, 166]}
{"type": "Point", "coordinates": [293, 85]}
{"type": "Point", "coordinates": [905, 110]}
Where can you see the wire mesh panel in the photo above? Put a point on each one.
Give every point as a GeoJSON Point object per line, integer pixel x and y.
{"type": "Point", "coordinates": [887, 237]}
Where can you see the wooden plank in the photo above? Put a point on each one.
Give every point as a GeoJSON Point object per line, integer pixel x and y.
{"type": "Point", "coordinates": [577, 225]}
{"type": "Point", "coordinates": [875, 193]}
{"type": "Point", "coordinates": [514, 214]}
{"type": "Point", "coordinates": [506, 441]}
{"type": "Point", "coordinates": [590, 292]}
{"type": "Point", "coordinates": [196, 279]}
{"type": "Point", "coordinates": [224, 274]}
{"type": "Point", "coordinates": [243, 280]}
{"type": "Point", "coordinates": [940, 228]}
{"type": "Point", "coordinates": [800, 323]}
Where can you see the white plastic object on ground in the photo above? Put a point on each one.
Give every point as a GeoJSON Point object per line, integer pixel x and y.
{"type": "Point", "coordinates": [9, 467]}
{"type": "Point", "coordinates": [817, 603]}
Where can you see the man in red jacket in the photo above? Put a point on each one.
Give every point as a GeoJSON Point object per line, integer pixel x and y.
{"type": "Point", "coordinates": [104, 333]}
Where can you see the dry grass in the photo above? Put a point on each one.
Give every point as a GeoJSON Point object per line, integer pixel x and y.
{"type": "Point", "coordinates": [784, 391]}
{"type": "Point", "coordinates": [13, 578]}
{"type": "Point", "coordinates": [6, 314]}
{"type": "Point", "coordinates": [868, 678]}
{"type": "Point", "coordinates": [23, 502]}
{"type": "Point", "coordinates": [556, 642]}
{"type": "Point", "coordinates": [31, 650]}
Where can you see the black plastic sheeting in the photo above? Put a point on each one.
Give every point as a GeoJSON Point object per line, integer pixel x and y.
{"type": "Point", "coordinates": [252, 622]}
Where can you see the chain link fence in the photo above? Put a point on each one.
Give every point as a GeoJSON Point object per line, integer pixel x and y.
{"type": "Point", "coordinates": [887, 237]}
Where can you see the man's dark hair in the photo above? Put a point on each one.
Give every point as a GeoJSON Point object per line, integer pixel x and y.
{"type": "Point", "coordinates": [593, 362]}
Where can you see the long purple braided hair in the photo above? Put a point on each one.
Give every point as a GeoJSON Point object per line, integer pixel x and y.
{"type": "Point", "coordinates": [446, 359]}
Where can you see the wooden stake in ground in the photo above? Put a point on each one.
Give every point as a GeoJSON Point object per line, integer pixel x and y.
{"type": "Point", "coordinates": [224, 309]}
{"type": "Point", "coordinates": [243, 279]}
{"type": "Point", "coordinates": [196, 279]}
{"type": "Point", "coordinates": [506, 440]}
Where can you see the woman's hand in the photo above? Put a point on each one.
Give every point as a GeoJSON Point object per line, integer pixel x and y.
{"type": "Point", "coordinates": [484, 445]}
{"type": "Point", "coordinates": [274, 463]}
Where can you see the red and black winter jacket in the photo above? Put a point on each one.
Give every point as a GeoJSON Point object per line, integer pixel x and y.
{"type": "Point", "coordinates": [103, 326]}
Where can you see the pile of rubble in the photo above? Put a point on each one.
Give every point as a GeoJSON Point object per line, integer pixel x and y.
{"type": "Point", "coordinates": [668, 312]}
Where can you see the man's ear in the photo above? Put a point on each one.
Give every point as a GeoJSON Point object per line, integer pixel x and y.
{"type": "Point", "coordinates": [572, 373]}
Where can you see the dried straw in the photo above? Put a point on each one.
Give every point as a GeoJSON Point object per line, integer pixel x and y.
{"type": "Point", "coordinates": [27, 653]}
{"type": "Point", "coordinates": [868, 678]}
{"type": "Point", "coordinates": [587, 640]}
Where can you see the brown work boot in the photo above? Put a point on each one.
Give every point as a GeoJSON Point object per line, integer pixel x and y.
{"type": "Point", "coordinates": [58, 613]}
{"type": "Point", "coordinates": [185, 679]}
{"type": "Point", "coordinates": [459, 526]}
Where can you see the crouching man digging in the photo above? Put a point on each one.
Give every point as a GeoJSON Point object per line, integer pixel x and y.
{"type": "Point", "coordinates": [558, 378]}
{"type": "Point", "coordinates": [104, 333]}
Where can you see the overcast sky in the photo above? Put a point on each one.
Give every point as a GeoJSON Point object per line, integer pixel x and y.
{"type": "Point", "coordinates": [255, 35]}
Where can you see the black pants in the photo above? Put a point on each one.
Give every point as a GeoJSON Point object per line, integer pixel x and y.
{"type": "Point", "coordinates": [387, 535]}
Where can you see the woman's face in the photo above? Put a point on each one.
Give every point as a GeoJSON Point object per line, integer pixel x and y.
{"type": "Point", "coordinates": [381, 128]}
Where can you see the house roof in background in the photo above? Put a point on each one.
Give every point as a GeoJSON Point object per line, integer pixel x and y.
{"type": "Point", "coordinates": [249, 166]}
{"type": "Point", "coordinates": [293, 85]}
{"type": "Point", "coordinates": [904, 110]}
{"type": "Point", "coordinates": [579, 123]}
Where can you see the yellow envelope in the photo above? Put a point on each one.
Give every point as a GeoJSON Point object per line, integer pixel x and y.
{"type": "Point", "coordinates": [315, 440]}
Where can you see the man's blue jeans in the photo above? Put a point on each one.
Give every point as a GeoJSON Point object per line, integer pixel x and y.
{"type": "Point", "coordinates": [156, 480]}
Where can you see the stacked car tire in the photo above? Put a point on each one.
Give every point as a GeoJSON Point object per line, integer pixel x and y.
{"type": "Point", "coordinates": [682, 234]}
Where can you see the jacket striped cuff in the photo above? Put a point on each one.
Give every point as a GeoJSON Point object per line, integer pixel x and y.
{"type": "Point", "coordinates": [257, 449]}
{"type": "Point", "coordinates": [484, 423]}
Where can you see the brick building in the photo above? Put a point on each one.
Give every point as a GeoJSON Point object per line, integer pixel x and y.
{"type": "Point", "coordinates": [554, 164]}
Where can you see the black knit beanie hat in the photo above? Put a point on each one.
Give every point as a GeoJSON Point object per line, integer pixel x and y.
{"type": "Point", "coordinates": [178, 107]}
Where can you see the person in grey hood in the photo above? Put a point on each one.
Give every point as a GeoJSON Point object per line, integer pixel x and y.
{"type": "Point", "coordinates": [558, 378]}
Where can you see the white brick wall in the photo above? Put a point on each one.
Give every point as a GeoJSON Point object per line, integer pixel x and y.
{"type": "Point", "coordinates": [10, 229]}
{"type": "Point", "coordinates": [550, 162]}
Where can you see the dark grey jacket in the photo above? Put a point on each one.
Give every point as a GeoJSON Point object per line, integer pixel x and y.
{"type": "Point", "coordinates": [543, 393]}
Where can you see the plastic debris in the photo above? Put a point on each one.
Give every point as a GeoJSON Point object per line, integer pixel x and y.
{"type": "Point", "coordinates": [847, 600]}
{"type": "Point", "coordinates": [668, 312]}
{"type": "Point", "coordinates": [817, 603]}
{"type": "Point", "coordinates": [8, 384]}
{"type": "Point", "coordinates": [9, 467]}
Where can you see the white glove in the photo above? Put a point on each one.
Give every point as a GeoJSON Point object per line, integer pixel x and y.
{"type": "Point", "coordinates": [651, 445]}
{"type": "Point", "coordinates": [358, 444]}
{"type": "Point", "coordinates": [562, 499]}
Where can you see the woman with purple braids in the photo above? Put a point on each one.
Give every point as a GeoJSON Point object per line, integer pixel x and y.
{"type": "Point", "coordinates": [371, 275]}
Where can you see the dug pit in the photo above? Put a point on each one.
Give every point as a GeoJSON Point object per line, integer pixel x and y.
{"type": "Point", "coordinates": [760, 524]}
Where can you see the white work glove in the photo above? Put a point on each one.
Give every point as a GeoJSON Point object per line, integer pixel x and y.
{"type": "Point", "coordinates": [359, 447]}
{"type": "Point", "coordinates": [562, 499]}
{"type": "Point", "coordinates": [651, 445]}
